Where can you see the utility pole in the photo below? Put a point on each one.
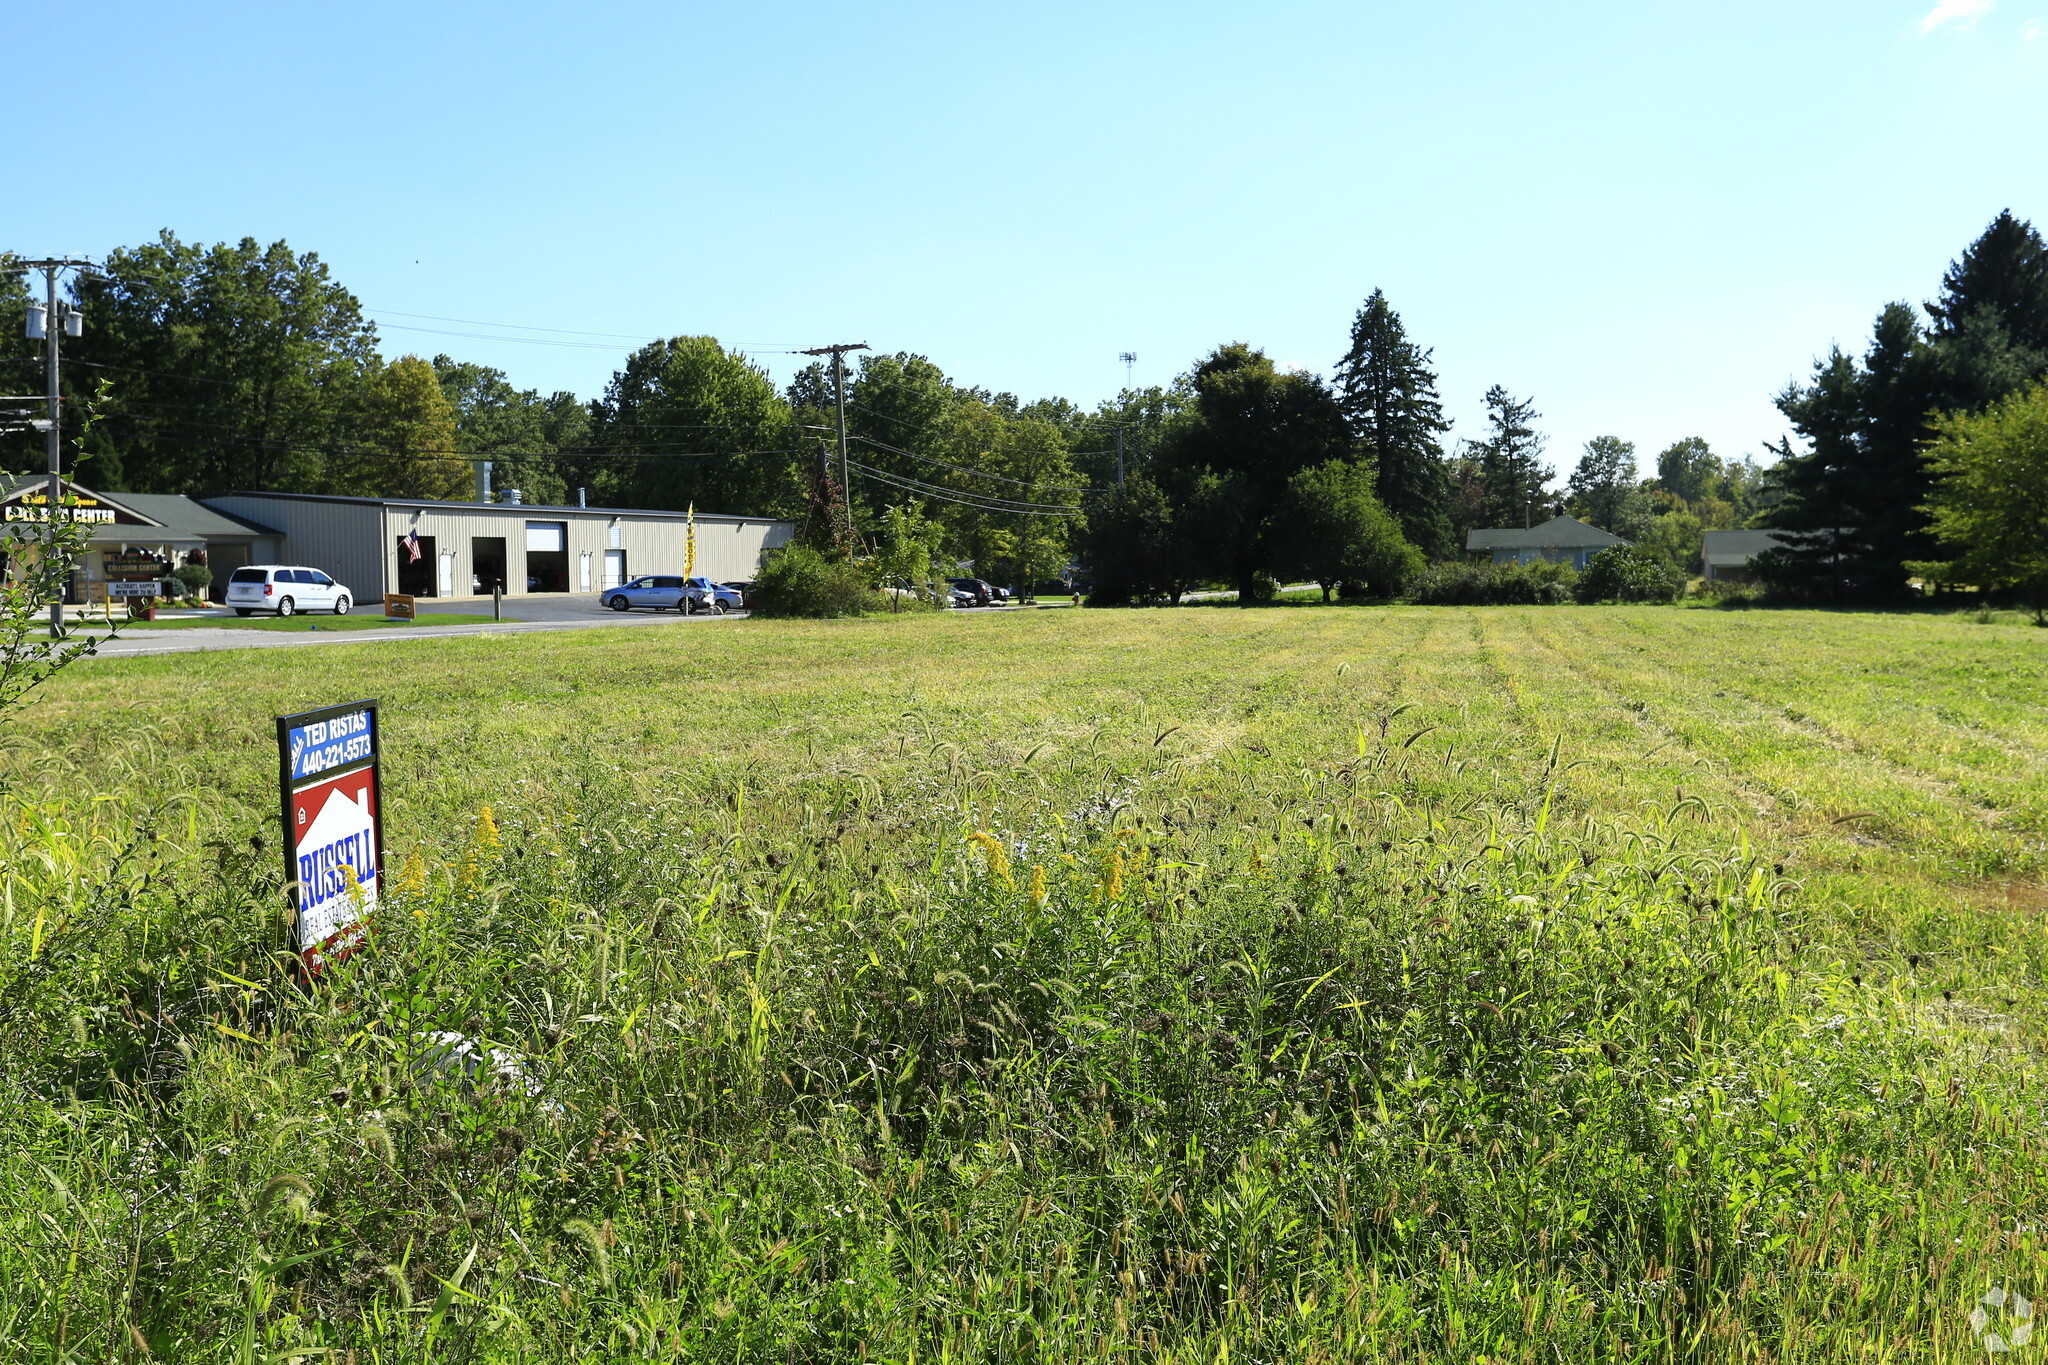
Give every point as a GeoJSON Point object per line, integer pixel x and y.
{"type": "Point", "coordinates": [55, 323]}
{"type": "Point", "coordinates": [838, 353]}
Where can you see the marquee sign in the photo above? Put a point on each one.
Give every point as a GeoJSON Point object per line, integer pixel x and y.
{"type": "Point", "coordinates": [38, 509]}
{"type": "Point", "coordinates": [333, 826]}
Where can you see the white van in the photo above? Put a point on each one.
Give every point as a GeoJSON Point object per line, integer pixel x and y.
{"type": "Point", "coordinates": [285, 589]}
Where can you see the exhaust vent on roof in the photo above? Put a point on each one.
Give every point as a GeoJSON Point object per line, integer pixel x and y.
{"type": "Point", "coordinates": [511, 497]}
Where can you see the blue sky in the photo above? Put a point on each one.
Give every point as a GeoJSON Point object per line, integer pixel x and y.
{"type": "Point", "coordinates": [1648, 217]}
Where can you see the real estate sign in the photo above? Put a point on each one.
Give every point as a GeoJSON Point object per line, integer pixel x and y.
{"type": "Point", "coordinates": [333, 826]}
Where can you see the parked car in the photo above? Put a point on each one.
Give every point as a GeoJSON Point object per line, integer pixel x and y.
{"type": "Point", "coordinates": [745, 589]}
{"type": "Point", "coordinates": [285, 589]}
{"type": "Point", "coordinates": [975, 589]}
{"type": "Point", "coordinates": [720, 597]}
{"type": "Point", "coordinates": [662, 591]}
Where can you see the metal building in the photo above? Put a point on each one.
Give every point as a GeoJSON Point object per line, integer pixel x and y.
{"type": "Point", "coordinates": [464, 549]}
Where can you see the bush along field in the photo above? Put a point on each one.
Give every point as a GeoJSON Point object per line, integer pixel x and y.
{"type": "Point", "coordinates": [1428, 984]}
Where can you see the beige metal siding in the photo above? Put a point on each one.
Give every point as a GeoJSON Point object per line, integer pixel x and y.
{"type": "Point", "coordinates": [358, 542]}
{"type": "Point", "coordinates": [652, 544]}
{"type": "Point", "coordinates": [337, 537]}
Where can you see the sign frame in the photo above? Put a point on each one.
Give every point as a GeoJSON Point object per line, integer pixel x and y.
{"type": "Point", "coordinates": [292, 783]}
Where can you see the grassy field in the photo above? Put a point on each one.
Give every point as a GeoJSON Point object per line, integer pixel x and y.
{"type": "Point", "coordinates": [1307, 985]}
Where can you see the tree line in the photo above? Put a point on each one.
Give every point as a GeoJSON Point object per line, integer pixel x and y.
{"type": "Point", "coordinates": [249, 366]}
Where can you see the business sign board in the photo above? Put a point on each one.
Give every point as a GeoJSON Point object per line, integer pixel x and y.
{"type": "Point", "coordinates": [145, 588]}
{"type": "Point", "coordinates": [333, 826]}
{"type": "Point", "coordinates": [398, 606]}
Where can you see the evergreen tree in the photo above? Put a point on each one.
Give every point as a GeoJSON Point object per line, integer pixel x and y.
{"type": "Point", "coordinates": [1820, 506]}
{"type": "Point", "coordinates": [1513, 484]}
{"type": "Point", "coordinates": [2003, 273]}
{"type": "Point", "coordinates": [1388, 395]}
{"type": "Point", "coordinates": [1601, 483]}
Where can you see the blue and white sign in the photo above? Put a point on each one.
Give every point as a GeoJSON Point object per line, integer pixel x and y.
{"type": "Point", "coordinates": [333, 826]}
{"type": "Point", "coordinates": [340, 739]}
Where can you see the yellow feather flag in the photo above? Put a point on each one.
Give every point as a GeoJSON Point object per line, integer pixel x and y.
{"type": "Point", "coordinates": [690, 544]}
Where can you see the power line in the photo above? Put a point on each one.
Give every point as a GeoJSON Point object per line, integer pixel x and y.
{"type": "Point", "coordinates": [985, 502]}
{"type": "Point", "coordinates": [880, 477]}
{"type": "Point", "coordinates": [979, 473]}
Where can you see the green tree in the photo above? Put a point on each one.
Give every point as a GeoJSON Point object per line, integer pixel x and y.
{"type": "Point", "coordinates": [697, 424]}
{"type": "Point", "coordinates": [407, 437]}
{"type": "Point", "coordinates": [1989, 500]}
{"type": "Point", "coordinates": [1152, 539]}
{"type": "Point", "coordinates": [1850, 502]}
{"type": "Point", "coordinates": [1602, 481]}
{"type": "Point", "coordinates": [898, 411]}
{"type": "Point", "coordinates": [1334, 531]}
{"type": "Point", "coordinates": [1254, 430]}
{"type": "Point", "coordinates": [1512, 482]}
{"type": "Point", "coordinates": [1388, 395]}
{"type": "Point", "coordinates": [909, 553]}
{"type": "Point", "coordinates": [1689, 468]}
{"type": "Point", "coordinates": [516, 429]}
{"type": "Point", "coordinates": [2002, 275]}
{"type": "Point", "coordinates": [240, 366]}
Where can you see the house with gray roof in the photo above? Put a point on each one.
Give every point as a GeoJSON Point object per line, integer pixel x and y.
{"type": "Point", "coordinates": [1561, 540]}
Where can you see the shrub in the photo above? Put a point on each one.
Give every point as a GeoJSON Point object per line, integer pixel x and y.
{"type": "Point", "coordinates": [1621, 573]}
{"type": "Point", "coordinates": [798, 581]}
{"type": "Point", "coordinates": [194, 577]}
{"type": "Point", "coordinates": [1494, 585]}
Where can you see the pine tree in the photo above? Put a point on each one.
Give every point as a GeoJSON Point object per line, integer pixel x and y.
{"type": "Point", "coordinates": [2004, 272]}
{"type": "Point", "coordinates": [1513, 483]}
{"type": "Point", "coordinates": [1388, 394]}
{"type": "Point", "coordinates": [1819, 508]}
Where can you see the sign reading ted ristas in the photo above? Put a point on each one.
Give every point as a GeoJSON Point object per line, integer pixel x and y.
{"type": "Point", "coordinates": [333, 825]}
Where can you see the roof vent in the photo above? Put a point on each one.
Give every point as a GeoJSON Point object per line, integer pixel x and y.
{"type": "Point", "coordinates": [510, 496]}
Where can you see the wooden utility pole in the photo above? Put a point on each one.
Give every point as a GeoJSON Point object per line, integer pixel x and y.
{"type": "Point", "coordinates": [838, 353]}
{"type": "Point", "coordinates": [56, 322]}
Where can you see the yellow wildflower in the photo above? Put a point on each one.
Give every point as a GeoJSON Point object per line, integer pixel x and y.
{"type": "Point", "coordinates": [484, 844]}
{"type": "Point", "coordinates": [995, 857]}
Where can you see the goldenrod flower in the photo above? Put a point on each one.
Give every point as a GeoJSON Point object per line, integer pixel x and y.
{"type": "Point", "coordinates": [995, 857]}
{"type": "Point", "coordinates": [483, 844]}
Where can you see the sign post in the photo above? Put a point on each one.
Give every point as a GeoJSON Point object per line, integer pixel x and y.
{"type": "Point", "coordinates": [333, 808]}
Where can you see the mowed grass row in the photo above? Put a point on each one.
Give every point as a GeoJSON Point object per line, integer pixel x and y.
{"type": "Point", "coordinates": [1289, 985]}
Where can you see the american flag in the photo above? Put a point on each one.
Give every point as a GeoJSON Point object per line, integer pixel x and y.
{"type": "Point", "coordinates": [412, 546]}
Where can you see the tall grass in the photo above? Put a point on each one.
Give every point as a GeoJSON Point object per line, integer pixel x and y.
{"type": "Point", "coordinates": [1329, 1010]}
